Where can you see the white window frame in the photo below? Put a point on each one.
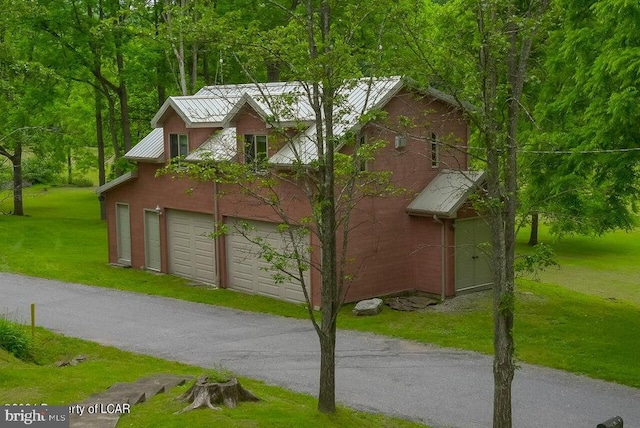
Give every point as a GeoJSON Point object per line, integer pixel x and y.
{"type": "Point", "coordinates": [435, 151]}
{"type": "Point", "coordinates": [253, 144]}
{"type": "Point", "coordinates": [178, 145]}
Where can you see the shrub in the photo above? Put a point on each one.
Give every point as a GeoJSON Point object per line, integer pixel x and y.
{"type": "Point", "coordinates": [14, 339]}
{"type": "Point", "coordinates": [39, 170]}
{"type": "Point", "coordinates": [82, 182]}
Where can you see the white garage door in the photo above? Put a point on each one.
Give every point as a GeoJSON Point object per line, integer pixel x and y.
{"type": "Point", "coordinates": [473, 239]}
{"type": "Point", "coordinates": [248, 272]}
{"type": "Point", "coordinates": [191, 247]}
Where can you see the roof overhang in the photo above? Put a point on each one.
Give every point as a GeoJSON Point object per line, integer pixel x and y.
{"type": "Point", "coordinates": [117, 182]}
{"type": "Point", "coordinates": [172, 105]}
{"type": "Point", "coordinates": [446, 193]}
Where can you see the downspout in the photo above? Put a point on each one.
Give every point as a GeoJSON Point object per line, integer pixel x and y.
{"type": "Point", "coordinates": [215, 232]}
{"type": "Point", "coordinates": [443, 255]}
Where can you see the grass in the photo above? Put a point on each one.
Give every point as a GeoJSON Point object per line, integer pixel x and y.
{"type": "Point", "coordinates": [606, 266]}
{"type": "Point", "coordinates": [42, 382]}
{"type": "Point", "coordinates": [583, 317]}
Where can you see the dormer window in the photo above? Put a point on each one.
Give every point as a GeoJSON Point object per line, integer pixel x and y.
{"type": "Point", "coordinates": [435, 151]}
{"type": "Point", "coordinates": [255, 149]}
{"type": "Point", "coordinates": [178, 145]}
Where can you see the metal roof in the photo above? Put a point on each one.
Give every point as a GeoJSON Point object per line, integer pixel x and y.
{"type": "Point", "coordinates": [284, 104]}
{"type": "Point", "coordinates": [197, 111]}
{"type": "Point", "coordinates": [149, 149]}
{"type": "Point", "coordinates": [446, 193]}
{"type": "Point", "coordinates": [222, 145]}
{"type": "Point", "coordinates": [282, 110]}
{"type": "Point", "coordinates": [117, 182]}
{"type": "Point", "coordinates": [355, 98]}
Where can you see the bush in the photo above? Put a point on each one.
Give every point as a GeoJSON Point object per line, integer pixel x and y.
{"type": "Point", "coordinates": [14, 339]}
{"type": "Point", "coordinates": [39, 170]}
{"type": "Point", "coordinates": [82, 182]}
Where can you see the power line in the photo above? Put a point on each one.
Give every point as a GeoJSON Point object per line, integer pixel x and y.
{"type": "Point", "coordinates": [569, 152]}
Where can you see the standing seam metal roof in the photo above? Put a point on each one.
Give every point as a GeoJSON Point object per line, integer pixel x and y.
{"type": "Point", "coordinates": [150, 148]}
{"type": "Point", "coordinates": [446, 193]}
{"type": "Point", "coordinates": [214, 106]}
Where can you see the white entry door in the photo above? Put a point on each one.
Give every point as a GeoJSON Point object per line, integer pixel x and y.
{"type": "Point", "coordinates": [152, 240]}
{"type": "Point", "coordinates": [123, 231]}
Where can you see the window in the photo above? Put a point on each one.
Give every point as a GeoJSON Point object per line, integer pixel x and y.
{"type": "Point", "coordinates": [255, 149]}
{"type": "Point", "coordinates": [178, 145]}
{"type": "Point", "coordinates": [362, 163]}
{"type": "Point", "coordinates": [435, 151]}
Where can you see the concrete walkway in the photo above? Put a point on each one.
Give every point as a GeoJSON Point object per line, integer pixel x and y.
{"type": "Point", "coordinates": [103, 410]}
{"type": "Point", "coordinates": [440, 387]}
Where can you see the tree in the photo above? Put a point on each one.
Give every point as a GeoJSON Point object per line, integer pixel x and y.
{"type": "Point", "coordinates": [91, 40]}
{"type": "Point", "coordinates": [316, 48]}
{"type": "Point", "coordinates": [26, 87]}
{"type": "Point", "coordinates": [488, 69]}
{"type": "Point", "coordinates": [580, 169]}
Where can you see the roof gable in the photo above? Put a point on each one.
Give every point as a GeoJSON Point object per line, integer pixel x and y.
{"type": "Point", "coordinates": [196, 112]}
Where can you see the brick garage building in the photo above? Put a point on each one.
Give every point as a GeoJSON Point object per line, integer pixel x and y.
{"type": "Point", "coordinates": [427, 239]}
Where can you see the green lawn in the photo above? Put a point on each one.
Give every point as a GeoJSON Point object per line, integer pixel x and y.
{"type": "Point", "coordinates": [583, 317]}
{"type": "Point", "coordinates": [43, 382]}
{"type": "Point", "coordinates": [607, 266]}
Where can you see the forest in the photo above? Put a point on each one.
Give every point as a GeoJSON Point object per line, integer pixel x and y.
{"type": "Point", "coordinates": [549, 86]}
{"type": "Point", "coordinates": [82, 79]}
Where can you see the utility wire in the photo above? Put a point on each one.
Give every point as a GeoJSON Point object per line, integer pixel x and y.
{"type": "Point", "coordinates": [569, 152]}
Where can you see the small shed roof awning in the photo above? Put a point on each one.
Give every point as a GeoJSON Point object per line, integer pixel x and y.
{"type": "Point", "coordinates": [117, 182]}
{"type": "Point", "coordinates": [446, 193]}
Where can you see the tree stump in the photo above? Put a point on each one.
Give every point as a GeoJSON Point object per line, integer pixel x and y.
{"type": "Point", "coordinates": [206, 393]}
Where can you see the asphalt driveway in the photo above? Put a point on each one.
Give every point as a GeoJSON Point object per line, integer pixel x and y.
{"type": "Point", "coordinates": [438, 386]}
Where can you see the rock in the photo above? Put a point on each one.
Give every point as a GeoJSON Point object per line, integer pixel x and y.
{"type": "Point", "coordinates": [410, 303]}
{"type": "Point", "coordinates": [72, 362]}
{"type": "Point", "coordinates": [368, 307]}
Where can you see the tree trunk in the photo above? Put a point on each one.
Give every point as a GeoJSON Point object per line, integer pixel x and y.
{"type": "Point", "coordinates": [206, 393]}
{"type": "Point", "coordinates": [16, 161]}
{"type": "Point", "coordinates": [102, 176]}
{"type": "Point", "coordinates": [194, 67]}
{"type": "Point", "coordinates": [69, 167]}
{"type": "Point", "coordinates": [533, 236]}
{"type": "Point", "coordinates": [273, 70]}
{"type": "Point", "coordinates": [327, 393]}
{"type": "Point", "coordinates": [124, 105]}
{"type": "Point", "coordinates": [114, 135]}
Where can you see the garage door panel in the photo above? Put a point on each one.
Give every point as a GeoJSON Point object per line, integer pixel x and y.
{"type": "Point", "coordinates": [270, 291]}
{"type": "Point", "coordinates": [250, 273]}
{"type": "Point", "coordinates": [191, 247]}
{"type": "Point", "coordinates": [294, 294]}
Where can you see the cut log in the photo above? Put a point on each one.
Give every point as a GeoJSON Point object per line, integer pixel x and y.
{"type": "Point", "coordinates": [205, 393]}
